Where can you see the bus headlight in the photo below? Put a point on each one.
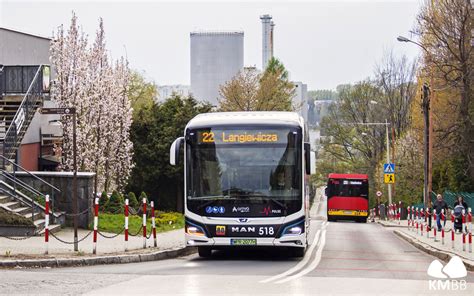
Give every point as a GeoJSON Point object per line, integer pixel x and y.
{"type": "Point", "coordinates": [194, 230]}
{"type": "Point", "coordinates": [295, 230]}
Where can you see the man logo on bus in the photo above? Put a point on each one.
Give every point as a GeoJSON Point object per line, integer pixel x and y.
{"type": "Point", "coordinates": [220, 230]}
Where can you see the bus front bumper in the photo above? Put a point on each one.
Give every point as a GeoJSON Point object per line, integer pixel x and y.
{"type": "Point", "coordinates": [284, 241]}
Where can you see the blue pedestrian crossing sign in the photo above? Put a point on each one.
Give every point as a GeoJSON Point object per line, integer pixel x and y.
{"type": "Point", "coordinates": [389, 168]}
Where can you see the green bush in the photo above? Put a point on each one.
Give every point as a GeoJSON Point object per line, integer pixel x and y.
{"type": "Point", "coordinates": [103, 201]}
{"type": "Point", "coordinates": [142, 196]}
{"type": "Point", "coordinates": [115, 203]}
{"type": "Point", "coordinates": [133, 201]}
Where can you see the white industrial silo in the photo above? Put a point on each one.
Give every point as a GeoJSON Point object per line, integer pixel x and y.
{"type": "Point", "coordinates": [216, 57]}
{"type": "Point", "coordinates": [267, 39]}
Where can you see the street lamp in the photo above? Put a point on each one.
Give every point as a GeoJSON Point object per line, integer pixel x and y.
{"type": "Point", "coordinates": [386, 123]}
{"type": "Point", "coordinates": [70, 111]}
{"type": "Point", "coordinates": [428, 130]}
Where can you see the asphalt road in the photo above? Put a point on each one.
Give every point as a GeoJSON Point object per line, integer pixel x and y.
{"type": "Point", "coordinates": [343, 258]}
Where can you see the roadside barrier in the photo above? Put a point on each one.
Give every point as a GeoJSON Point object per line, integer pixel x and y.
{"type": "Point", "coordinates": [427, 219]}
{"type": "Point", "coordinates": [152, 204]}
{"type": "Point", "coordinates": [469, 220]}
{"type": "Point", "coordinates": [126, 224]}
{"type": "Point", "coordinates": [399, 214]}
{"type": "Point", "coordinates": [46, 224]}
{"type": "Point", "coordinates": [463, 230]}
{"type": "Point", "coordinates": [452, 230]}
{"type": "Point", "coordinates": [417, 219]}
{"type": "Point", "coordinates": [95, 229]}
{"type": "Point", "coordinates": [443, 218]}
{"type": "Point", "coordinates": [435, 226]}
{"type": "Point", "coordinates": [144, 223]}
{"type": "Point", "coordinates": [96, 222]}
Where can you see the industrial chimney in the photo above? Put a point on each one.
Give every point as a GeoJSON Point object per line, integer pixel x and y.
{"type": "Point", "coordinates": [267, 39]}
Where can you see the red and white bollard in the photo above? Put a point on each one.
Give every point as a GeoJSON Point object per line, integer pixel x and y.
{"type": "Point", "coordinates": [152, 204]}
{"type": "Point", "coordinates": [434, 226]}
{"type": "Point", "coordinates": [96, 222]}
{"type": "Point", "coordinates": [399, 214]}
{"type": "Point", "coordinates": [126, 224]}
{"type": "Point", "coordinates": [144, 223]}
{"type": "Point", "coordinates": [408, 217]}
{"type": "Point", "coordinates": [417, 218]}
{"type": "Point", "coordinates": [46, 224]}
{"type": "Point", "coordinates": [452, 230]}
{"type": "Point", "coordinates": [463, 230]}
{"type": "Point", "coordinates": [443, 219]}
{"type": "Point", "coordinates": [469, 220]}
{"type": "Point", "coordinates": [422, 214]}
{"type": "Point", "coordinates": [427, 221]}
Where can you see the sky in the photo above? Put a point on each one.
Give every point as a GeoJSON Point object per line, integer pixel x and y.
{"type": "Point", "coordinates": [321, 43]}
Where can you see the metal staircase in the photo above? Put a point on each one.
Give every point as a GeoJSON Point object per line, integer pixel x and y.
{"type": "Point", "coordinates": [17, 111]}
{"type": "Point", "coordinates": [20, 97]}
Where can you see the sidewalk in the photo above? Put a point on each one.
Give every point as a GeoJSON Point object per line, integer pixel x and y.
{"type": "Point", "coordinates": [34, 247]}
{"type": "Point", "coordinates": [429, 245]}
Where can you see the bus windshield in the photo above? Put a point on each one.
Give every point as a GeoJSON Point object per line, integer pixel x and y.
{"type": "Point", "coordinates": [348, 188]}
{"type": "Point", "coordinates": [244, 164]}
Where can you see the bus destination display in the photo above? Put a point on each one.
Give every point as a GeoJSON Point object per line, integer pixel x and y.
{"type": "Point", "coordinates": [241, 136]}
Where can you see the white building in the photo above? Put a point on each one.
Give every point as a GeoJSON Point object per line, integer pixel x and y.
{"type": "Point", "coordinates": [216, 57]}
{"type": "Point", "coordinates": [300, 99]}
{"type": "Point", "coordinates": [165, 91]}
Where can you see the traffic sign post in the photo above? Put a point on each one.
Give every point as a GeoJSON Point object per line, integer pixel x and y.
{"type": "Point", "coordinates": [389, 168]}
{"type": "Point", "coordinates": [389, 178]}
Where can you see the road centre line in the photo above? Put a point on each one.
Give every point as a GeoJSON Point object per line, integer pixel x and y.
{"type": "Point", "coordinates": [298, 266]}
{"type": "Point", "coordinates": [305, 260]}
{"type": "Point", "coordinates": [313, 264]}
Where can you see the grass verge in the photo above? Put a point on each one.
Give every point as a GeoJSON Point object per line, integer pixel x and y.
{"type": "Point", "coordinates": [164, 221]}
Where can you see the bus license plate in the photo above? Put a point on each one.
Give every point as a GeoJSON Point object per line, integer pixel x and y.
{"type": "Point", "coordinates": [243, 242]}
{"type": "Point", "coordinates": [349, 212]}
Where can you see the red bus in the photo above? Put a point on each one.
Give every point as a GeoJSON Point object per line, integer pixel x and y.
{"type": "Point", "coordinates": [347, 197]}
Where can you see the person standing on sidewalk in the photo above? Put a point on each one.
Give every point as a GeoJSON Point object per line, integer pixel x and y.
{"type": "Point", "coordinates": [459, 206]}
{"type": "Point", "coordinates": [438, 206]}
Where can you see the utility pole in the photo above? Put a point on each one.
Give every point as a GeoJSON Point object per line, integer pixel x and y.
{"type": "Point", "coordinates": [389, 187]}
{"type": "Point", "coordinates": [425, 104]}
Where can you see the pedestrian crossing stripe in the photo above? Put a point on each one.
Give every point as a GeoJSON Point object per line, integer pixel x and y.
{"type": "Point", "coordinates": [389, 168]}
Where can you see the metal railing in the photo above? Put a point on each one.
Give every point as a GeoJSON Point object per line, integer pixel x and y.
{"type": "Point", "coordinates": [13, 178]}
{"type": "Point", "coordinates": [23, 116]}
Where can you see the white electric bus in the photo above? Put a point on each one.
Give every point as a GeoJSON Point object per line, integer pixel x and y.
{"type": "Point", "coordinates": [246, 180]}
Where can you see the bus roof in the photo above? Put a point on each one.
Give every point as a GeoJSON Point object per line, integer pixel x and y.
{"type": "Point", "coordinates": [347, 176]}
{"type": "Point", "coordinates": [250, 117]}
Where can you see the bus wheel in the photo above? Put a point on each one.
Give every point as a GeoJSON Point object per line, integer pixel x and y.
{"type": "Point", "coordinates": [204, 252]}
{"type": "Point", "coordinates": [298, 252]}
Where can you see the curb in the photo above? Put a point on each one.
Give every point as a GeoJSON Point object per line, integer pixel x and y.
{"type": "Point", "coordinates": [110, 259]}
{"type": "Point", "coordinates": [390, 225]}
{"type": "Point", "coordinates": [440, 254]}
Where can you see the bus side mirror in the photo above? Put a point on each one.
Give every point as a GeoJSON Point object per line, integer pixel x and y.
{"type": "Point", "coordinates": [313, 162]}
{"type": "Point", "coordinates": [307, 158]}
{"type": "Point", "coordinates": [174, 150]}
{"type": "Point", "coordinates": [326, 191]}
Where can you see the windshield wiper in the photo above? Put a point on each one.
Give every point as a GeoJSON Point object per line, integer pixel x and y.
{"type": "Point", "coordinates": [211, 197]}
{"type": "Point", "coordinates": [267, 198]}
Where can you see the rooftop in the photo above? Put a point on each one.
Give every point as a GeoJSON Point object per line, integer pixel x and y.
{"type": "Point", "coordinates": [24, 33]}
{"type": "Point", "coordinates": [267, 117]}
